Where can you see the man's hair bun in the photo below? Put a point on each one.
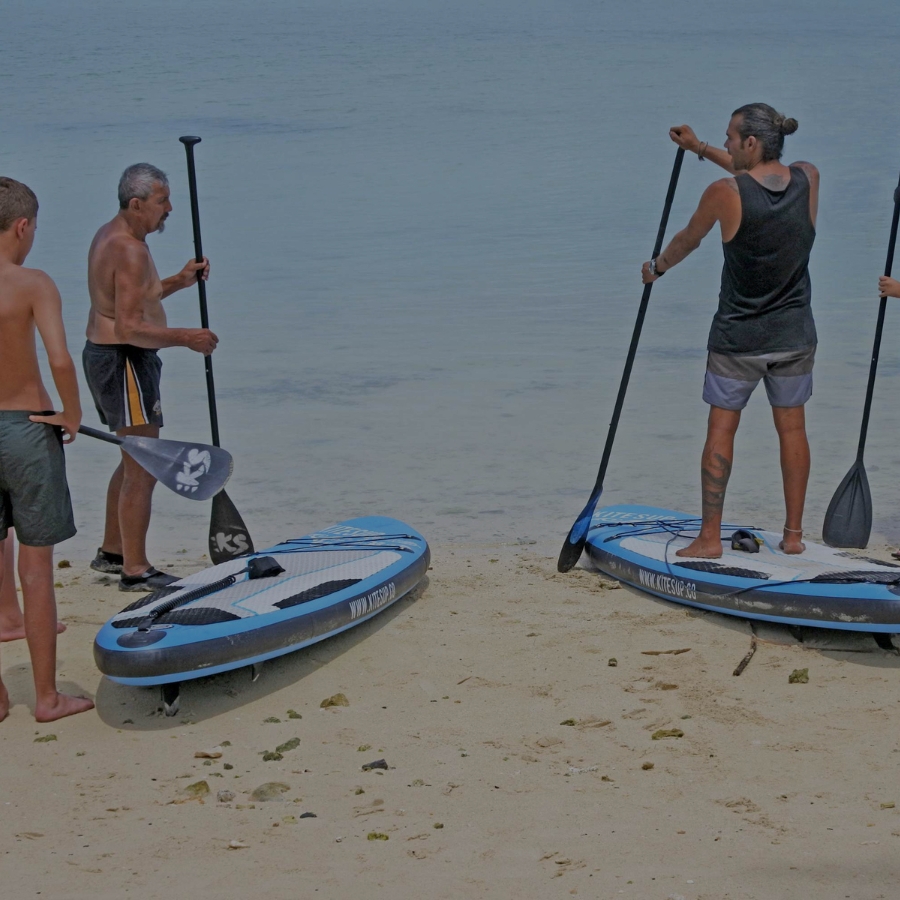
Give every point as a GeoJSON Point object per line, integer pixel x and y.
{"type": "Point", "coordinates": [789, 126]}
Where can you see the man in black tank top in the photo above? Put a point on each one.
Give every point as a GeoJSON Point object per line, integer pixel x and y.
{"type": "Point", "coordinates": [763, 329]}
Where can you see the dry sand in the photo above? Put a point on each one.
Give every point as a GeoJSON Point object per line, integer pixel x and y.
{"type": "Point", "coordinates": [775, 790]}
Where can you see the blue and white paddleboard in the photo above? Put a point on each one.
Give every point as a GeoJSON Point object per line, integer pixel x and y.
{"type": "Point", "coordinates": [332, 580]}
{"type": "Point", "coordinates": [821, 587]}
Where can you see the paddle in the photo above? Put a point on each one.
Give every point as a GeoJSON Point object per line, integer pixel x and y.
{"type": "Point", "coordinates": [228, 535]}
{"type": "Point", "coordinates": [574, 544]}
{"type": "Point", "coordinates": [848, 520]}
{"type": "Point", "coordinates": [195, 471]}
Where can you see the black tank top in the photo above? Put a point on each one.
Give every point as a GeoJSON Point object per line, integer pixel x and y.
{"type": "Point", "coordinates": [764, 303]}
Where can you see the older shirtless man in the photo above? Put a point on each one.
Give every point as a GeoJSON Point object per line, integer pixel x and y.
{"type": "Point", "coordinates": [126, 327]}
{"type": "Point", "coordinates": [34, 494]}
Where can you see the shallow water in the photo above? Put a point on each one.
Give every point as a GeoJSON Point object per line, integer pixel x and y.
{"type": "Point", "coordinates": [426, 223]}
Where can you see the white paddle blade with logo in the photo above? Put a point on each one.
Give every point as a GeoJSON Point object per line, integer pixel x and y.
{"type": "Point", "coordinates": [195, 471]}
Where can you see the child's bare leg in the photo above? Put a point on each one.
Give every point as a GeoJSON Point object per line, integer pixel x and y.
{"type": "Point", "coordinates": [12, 623]}
{"type": "Point", "coordinates": [36, 576]}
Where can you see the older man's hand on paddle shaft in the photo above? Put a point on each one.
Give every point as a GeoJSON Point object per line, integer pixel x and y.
{"type": "Point", "coordinates": [888, 287]}
{"type": "Point", "coordinates": [187, 277]}
{"type": "Point", "coordinates": [202, 340]}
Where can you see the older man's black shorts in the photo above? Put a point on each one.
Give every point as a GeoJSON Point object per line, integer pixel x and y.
{"type": "Point", "coordinates": [124, 382]}
{"type": "Point", "coordinates": [34, 493]}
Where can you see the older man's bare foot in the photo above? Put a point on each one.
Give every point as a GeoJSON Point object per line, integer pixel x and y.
{"type": "Point", "coordinates": [64, 705]}
{"type": "Point", "coordinates": [4, 703]}
{"type": "Point", "coordinates": [792, 543]}
{"type": "Point", "coordinates": [701, 548]}
{"type": "Point", "coordinates": [17, 632]}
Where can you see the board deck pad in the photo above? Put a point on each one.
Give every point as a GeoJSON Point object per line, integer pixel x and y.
{"type": "Point", "coordinates": [822, 587]}
{"type": "Point", "coordinates": [332, 579]}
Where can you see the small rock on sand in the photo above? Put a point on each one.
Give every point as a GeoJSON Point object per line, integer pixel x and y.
{"type": "Point", "coordinates": [799, 676]}
{"type": "Point", "coordinates": [271, 790]}
{"type": "Point", "coordinates": [375, 764]}
{"type": "Point", "coordinates": [197, 790]}
{"type": "Point", "coordinates": [225, 796]}
{"type": "Point", "coordinates": [335, 700]}
{"type": "Point", "coordinates": [664, 733]}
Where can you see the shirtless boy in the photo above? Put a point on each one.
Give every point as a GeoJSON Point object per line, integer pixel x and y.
{"type": "Point", "coordinates": [764, 328]}
{"type": "Point", "coordinates": [126, 326]}
{"type": "Point", "coordinates": [34, 495]}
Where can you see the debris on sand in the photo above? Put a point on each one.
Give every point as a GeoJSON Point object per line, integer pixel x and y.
{"type": "Point", "coordinates": [335, 700]}
{"type": "Point", "coordinates": [569, 722]}
{"type": "Point", "coordinates": [237, 845]}
{"type": "Point", "coordinates": [377, 836]}
{"type": "Point", "coordinates": [45, 738]}
{"type": "Point", "coordinates": [666, 652]}
{"type": "Point", "coordinates": [799, 676]}
{"type": "Point", "coordinates": [271, 790]}
{"type": "Point", "coordinates": [647, 766]}
{"type": "Point", "coordinates": [215, 753]}
{"type": "Point", "coordinates": [664, 733]}
{"type": "Point", "coordinates": [273, 720]}
{"type": "Point", "coordinates": [613, 662]}
{"type": "Point", "coordinates": [225, 796]}
{"type": "Point", "coordinates": [293, 714]}
{"type": "Point", "coordinates": [375, 764]}
{"type": "Point", "coordinates": [308, 815]}
{"type": "Point", "coordinates": [64, 564]}
{"type": "Point", "coordinates": [272, 756]}
{"type": "Point", "coordinates": [292, 744]}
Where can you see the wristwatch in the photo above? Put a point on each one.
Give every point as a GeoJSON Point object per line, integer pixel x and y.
{"type": "Point", "coordinates": [653, 270]}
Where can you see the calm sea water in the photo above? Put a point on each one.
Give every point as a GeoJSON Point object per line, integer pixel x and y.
{"type": "Point", "coordinates": [426, 222]}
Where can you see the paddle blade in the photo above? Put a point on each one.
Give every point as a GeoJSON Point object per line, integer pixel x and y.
{"type": "Point", "coordinates": [575, 541]}
{"type": "Point", "coordinates": [848, 521]}
{"type": "Point", "coordinates": [195, 471]}
{"type": "Point", "coordinates": [228, 535]}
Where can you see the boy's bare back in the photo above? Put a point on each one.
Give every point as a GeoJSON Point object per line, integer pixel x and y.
{"type": "Point", "coordinates": [26, 297]}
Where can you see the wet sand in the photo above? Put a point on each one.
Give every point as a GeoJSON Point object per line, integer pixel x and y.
{"type": "Point", "coordinates": [520, 762]}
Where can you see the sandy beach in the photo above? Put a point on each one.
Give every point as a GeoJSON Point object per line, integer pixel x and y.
{"type": "Point", "coordinates": [520, 761]}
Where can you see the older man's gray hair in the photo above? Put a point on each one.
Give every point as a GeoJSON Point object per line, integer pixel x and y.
{"type": "Point", "coordinates": [138, 181]}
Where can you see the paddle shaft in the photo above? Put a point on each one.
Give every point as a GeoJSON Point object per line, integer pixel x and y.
{"type": "Point", "coordinates": [879, 328]}
{"type": "Point", "coordinates": [638, 326]}
{"type": "Point", "coordinates": [101, 435]}
{"type": "Point", "coordinates": [189, 142]}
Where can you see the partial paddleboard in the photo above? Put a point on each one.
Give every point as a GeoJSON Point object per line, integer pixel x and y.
{"type": "Point", "coordinates": [823, 587]}
{"type": "Point", "coordinates": [332, 580]}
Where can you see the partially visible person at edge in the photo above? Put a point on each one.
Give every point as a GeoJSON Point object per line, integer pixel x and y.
{"type": "Point", "coordinates": [126, 327]}
{"type": "Point", "coordinates": [889, 287]}
{"type": "Point", "coordinates": [763, 329]}
{"type": "Point", "coordinates": [34, 494]}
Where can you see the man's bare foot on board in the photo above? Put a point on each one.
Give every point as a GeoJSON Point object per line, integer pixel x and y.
{"type": "Point", "coordinates": [4, 703]}
{"type": "Point", "coordinates": [701, 548]}
{"type": "Point", "coordinates": [64, 705]}
{"type": "Point", "coordinates": [792, 543]}
{"type": "Point", "coordinates": [17, 632]}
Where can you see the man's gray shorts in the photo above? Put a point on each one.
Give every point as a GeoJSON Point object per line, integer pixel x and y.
{"type": "Point", "coordinates": [34, 493]}
{"type": "Point", "coordinates": [731, 378]}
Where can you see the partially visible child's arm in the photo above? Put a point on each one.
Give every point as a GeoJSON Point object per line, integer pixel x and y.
{"type": "Point", "coordinates": [888, 287]}
{"type": "Point", "coordinates": [48, 318]}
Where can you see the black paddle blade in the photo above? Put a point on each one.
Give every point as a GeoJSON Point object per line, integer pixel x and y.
{"type": "Point", "coordinates": [228, 535]}
{"type": "Point", "coordinates": [195, 471]}
{"type": "Point", "coordinates": [848, 521]}
{"type": "Point", "coordinates": [573, 546]}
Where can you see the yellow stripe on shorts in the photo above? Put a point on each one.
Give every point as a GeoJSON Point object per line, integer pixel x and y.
{"type": "Point", "coordinates": [134, 403]}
